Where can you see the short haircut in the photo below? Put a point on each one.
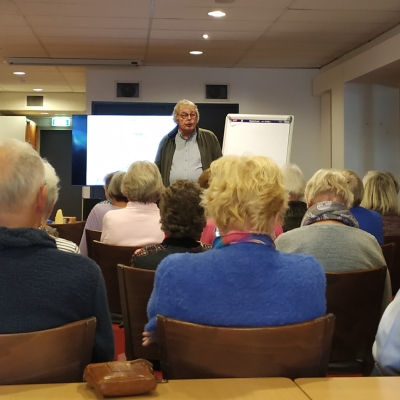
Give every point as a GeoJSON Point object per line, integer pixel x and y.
{"type": "Point", "coordinates": [395, 181]}
{"type": "Point", "coordinates": [142, 182]}
{"type": "Point", "coordinates": [182, 103]}
{"type": "Point", "coordinates": [52, 185]}
{"type": "Point", "coordinates": [22, 175]}
{"type": "Point", "coordinates": [245, 193]}
{"type": "Point", "coordinates": [380, 194]}
{"type": "Point", "coordinates": [107, 179]}
{"type": "Point", "coordinates": [204, 179]}
{"type": "Point", "coordinates": [356, 186]}
{"type": "Point", "coordinates": [114, 188]}
{"type": "Point", "coordinates": [294, 180]}
{"type": "Point", "coordinates": [329, 184]}
{"type": "Point", "coordinates": [181, 212]}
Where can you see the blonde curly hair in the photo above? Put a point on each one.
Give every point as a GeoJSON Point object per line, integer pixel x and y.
{"type": "Point", "coordinates": [245, 193]}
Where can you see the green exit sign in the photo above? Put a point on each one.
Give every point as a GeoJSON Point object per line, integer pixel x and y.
{"type": "Point", "coordinates": [61, 121]}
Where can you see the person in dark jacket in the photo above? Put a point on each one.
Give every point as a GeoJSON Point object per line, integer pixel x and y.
{"type": "Point", "coordinates": [42, 287]}
{"type": "Point", "coordinates": [186, 151]}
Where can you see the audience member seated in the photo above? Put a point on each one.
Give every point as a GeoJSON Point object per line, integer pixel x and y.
{"type": "Point", "coordinates": [380, 195]}
{"type": "Point", "coordinates": [182, 221]}
{"type": "Point", "coordinates": [294, 182]}
{"type": "Point", "coordinates": [386, 349]}
{"type": "Point", "coordinates": [210, 232]}
{"type": "Point", "coordinates": [42, 287]}
{"type": "Point", "coordinates": [117, 201]}
{"type": "Point", "coordinates": [52, 188]}
{"type": "Point", "coordinates": [329, 231]}
{"type": "Point", "coordinates": [395, 181]}
{"type": "Point", "coordinates": [243, 281]}
{"type": "Point", "coordinates": [138, 224]}
{"type": "Point", "coordinates": [368, 220]}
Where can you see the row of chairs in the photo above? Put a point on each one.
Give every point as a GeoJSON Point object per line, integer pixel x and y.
{"type": "Point", "coordinates": [188, 350]}
{"type": "Point", "coordinates": [354, 297]}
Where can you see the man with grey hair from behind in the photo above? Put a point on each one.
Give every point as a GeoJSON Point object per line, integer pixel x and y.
{"type": "Point", "coordinates": [42, 287]}
{"type": "Point", "coordinates": [52, 187]}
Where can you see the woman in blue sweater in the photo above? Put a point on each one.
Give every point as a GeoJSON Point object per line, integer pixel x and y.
{"type": "Point", "coordinates": [243, 281]}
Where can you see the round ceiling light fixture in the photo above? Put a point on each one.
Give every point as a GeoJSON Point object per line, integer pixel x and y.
{"type": "Point", "coordinates": [217, 14]}
{"type": "Point", "coordinates": [196, 52]}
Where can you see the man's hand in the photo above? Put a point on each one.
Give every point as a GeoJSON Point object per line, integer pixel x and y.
{"type": "Point", "coordinates": [149, 338]}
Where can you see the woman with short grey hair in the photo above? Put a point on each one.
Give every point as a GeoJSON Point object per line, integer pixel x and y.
{"type": "Point", "coordinates": [294, 182]}
{"type": "Point", "coordinates": [138, 224]}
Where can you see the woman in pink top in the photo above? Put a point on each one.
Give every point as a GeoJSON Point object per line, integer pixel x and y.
{"type": "Point", "coordinates": [138, 224]}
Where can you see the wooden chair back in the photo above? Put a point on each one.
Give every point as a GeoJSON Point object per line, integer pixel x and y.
{"type": "Point", "coordinates": [355, 298]}
{"type": "Point", "coordinates": [49, 356]}
{"type": "Point", "coordinates": [394, 269]}
{"type": "Point", "coordinates": [193, 351]}
{"type": "Point", "coordinates": [135, 286]}
{"type": "Point", "coordinates": [108, 257]}
{"type": "Point", "coordinates": [72, 231]}
{"type": "Point", "coordinates": [91, 235]}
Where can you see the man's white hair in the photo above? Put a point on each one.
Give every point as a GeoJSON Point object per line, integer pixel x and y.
{"type": "Point", "coordinates": [22, 174]}
{"type": "Point", "coordinates": [52, 185]}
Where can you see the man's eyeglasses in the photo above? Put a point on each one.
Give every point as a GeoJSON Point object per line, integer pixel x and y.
{"type": "Point", "coordinates": [187, 116]}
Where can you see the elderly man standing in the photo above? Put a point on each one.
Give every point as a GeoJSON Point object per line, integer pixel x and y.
{"type": "Point", "coordinates": [42, 287]}
{"type": "Point", "coordinates": [187, 150]}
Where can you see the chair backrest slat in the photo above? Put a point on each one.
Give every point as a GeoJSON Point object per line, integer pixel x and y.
{"type": "Point", "coordinates": [108, 257]}
{"type": "Point", "coordinates": [49, 356]}
{"type": "Point", "coordinates": [72, 231]}
{"type": "Point", "coordinates": [136, 286]}
{"type": "Point", "coordinates": [355, 298]}
{"type": "Point", "coordinates": [91, 235]}
{"type": "Point", "coordinates": [394, 269]}
{"type": "Point", "coordinates": [190, 351]}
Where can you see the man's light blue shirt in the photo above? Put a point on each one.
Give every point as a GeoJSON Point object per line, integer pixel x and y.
{"type": "Point", "coordinates": [186, 163]}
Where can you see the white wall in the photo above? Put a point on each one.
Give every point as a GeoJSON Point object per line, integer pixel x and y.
{"type": "Point", "coordinates": [371, 128]}
{"type": "Point", "coordinates": [258, 91]}
{"type": "Point", "coordinates": [12, 128]}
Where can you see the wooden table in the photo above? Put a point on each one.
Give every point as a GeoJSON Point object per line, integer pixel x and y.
{"type": "Point", "coordinates": [201, 389]}
{"type": "Point", "coordinates": [363, 388]}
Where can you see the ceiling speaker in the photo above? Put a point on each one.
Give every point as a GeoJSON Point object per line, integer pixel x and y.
{"type": "Point", "coordinates": [127, 90]}
{"type": "Point", "coordinates": [217, 92]}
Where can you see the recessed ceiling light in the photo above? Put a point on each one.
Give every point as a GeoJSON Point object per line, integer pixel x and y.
{"type": "Point", "coordinates": [196, 52]}
{"type": "Point", "coordinates": [19, 73]}
{"type": "Point", "coordinates": [44, 113]}
{"type": "Point", "coordinates": [205, 36]}
{"type": "Point", "coordinates": [216, 14]}
{"type": "Point", "coordinates": [37, 90]}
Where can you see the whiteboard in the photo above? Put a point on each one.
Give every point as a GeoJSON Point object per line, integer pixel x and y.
{"type": "Point", "coordinates": [259, 135]}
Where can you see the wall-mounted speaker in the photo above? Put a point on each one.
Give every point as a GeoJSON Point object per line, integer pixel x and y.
{"type": "Point", "coordinates": [127, 90]}
{"type": "Point", "coordinates": [217, 92]}
{"type": "Point", "coordinates": [34, 101]}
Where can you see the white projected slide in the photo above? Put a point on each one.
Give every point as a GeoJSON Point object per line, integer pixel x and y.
{"type": "Point", "coordinates": [114, 142]}
{"type": "Point", "coordinates": [259, 135]}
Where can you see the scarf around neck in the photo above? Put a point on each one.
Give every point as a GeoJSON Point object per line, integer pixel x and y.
{"type": "Point", "coordinates": [234, 237]}
{"type": "Point", "coordinates": [329, 211]}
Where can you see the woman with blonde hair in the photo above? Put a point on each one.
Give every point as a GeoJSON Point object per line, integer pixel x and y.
{"type": "Point", "coordinates": [380, 195]}
{"type": "Point", "coordinates": [331, 233]}
{"type": "Point", "coordinates": [369, 220]}
{"type": "Point", "coordinates": [243, 280]}
{"type": "Point", "coordinates": [138, 224]}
